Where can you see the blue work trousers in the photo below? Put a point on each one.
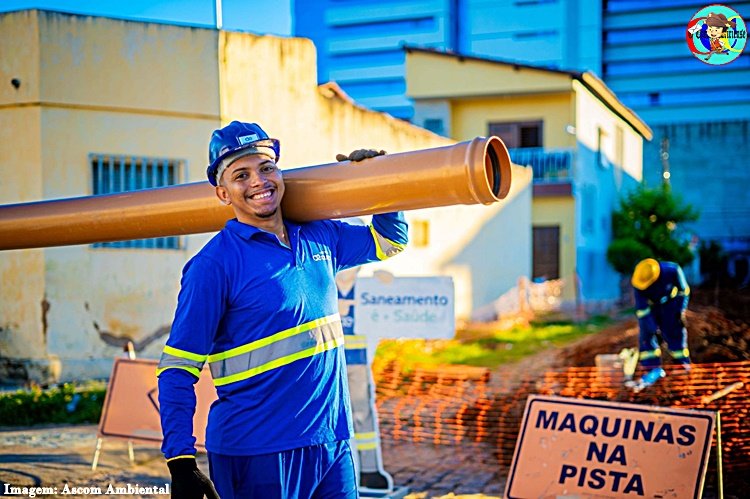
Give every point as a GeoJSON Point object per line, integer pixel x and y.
{"type": "Point", "coordinates": [668, 319]}
{"type": "Point", "coordinates": [324, 471]}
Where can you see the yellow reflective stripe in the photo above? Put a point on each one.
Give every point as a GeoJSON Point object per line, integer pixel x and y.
{"type": "Point", "coordinates": [686, 292]}
{"type": "Point", "coordinates": [281, 361]}
{"type": "Point", "coordinates": [367, 445]}
{"type": "Point", "coordinates": [192, 370]}
{"type": "Point", "coordinates": [365, 436]}
{"type": "Point", "coordinates": [674, 292]}
{"type": "Point", "coordinates": [680, 354]}
{"type": "Point", "coordinates": [186, 456]}
{"type": "Point", "coordinates": [642, 313]}
{"type": "Point", "coordinates": [249, 347]}
{"type": "Point", "coordinates": [355, 341]}
{"type": "Point", "coordinates": [380, 241]}
{"type": "Point", "coordinates": [278, 349]}
{"type": "Point", "coordinates": [650, 354]}
{"type": "Point", "coordinates": [183, 354]}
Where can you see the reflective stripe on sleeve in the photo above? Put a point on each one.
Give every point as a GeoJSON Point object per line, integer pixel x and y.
{"type": "Point", "coordinates": [675, 293]}
{"type": "Point", "coordinates": [680, 354]}
{"type": "Point", "coordinates": [174, 358]}
{"type": "Point", "coordinates": [277, 350]}
{"type": "Point", "coordinates": [385, 248]}
{"type": "Point", "coordinates": [643, 313]}
{"type": "Point", "coordinates": [192, 370]}
{"type": "Point", "coordinates": [650, 354]}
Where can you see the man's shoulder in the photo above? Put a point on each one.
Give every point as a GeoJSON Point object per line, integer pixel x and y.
{"type": "Point", "coordinates": [215, 249]}
{"type": "Point", "coordinates": [216, 243]}
{"type": "Point", "coordinates": [669, 268]}
{"type": "Point", "coordinates": [319, 223]}
{"type": "Point", "coordinates": [319, 227]}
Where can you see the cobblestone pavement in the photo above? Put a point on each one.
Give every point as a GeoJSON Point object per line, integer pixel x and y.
{"type": "Point", "coordinates": [437, 471]}
{"type": "Point", "coordinates": [56, 457]}
{"type": "Point", "coordinates": [59, 456]}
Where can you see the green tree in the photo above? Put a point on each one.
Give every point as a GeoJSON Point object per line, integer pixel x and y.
{"type": "Point", "coordinates": [645, 226]}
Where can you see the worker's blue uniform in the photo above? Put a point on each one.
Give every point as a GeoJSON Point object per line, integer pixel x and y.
{"type": "Point", "coordinates": [265, 318]}
{"type": "Point", "coordinates": [660, 306]}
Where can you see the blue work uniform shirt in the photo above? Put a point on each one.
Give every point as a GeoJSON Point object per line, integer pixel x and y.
{"type": "Point", "coordinates": [669, 293]}
{"type": "Point", "coordinates": [265, 318]}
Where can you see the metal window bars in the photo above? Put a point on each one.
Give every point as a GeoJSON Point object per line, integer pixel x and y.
{"type": "Point", "coordinates": [121, 173]}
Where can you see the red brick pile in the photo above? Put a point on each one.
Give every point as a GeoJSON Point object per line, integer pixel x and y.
{"type": "Point", "coordinates": [462, 405]}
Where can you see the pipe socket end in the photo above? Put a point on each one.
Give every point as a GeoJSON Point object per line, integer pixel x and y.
{"type": "Point", "coordinates": [497, 167]}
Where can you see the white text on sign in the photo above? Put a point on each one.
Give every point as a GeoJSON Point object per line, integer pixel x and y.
{"type": "Point", "coordinates": [411, 307]}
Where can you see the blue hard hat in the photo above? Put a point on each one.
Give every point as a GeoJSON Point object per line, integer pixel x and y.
{"type": "Point", "coordinates": [237, 137]}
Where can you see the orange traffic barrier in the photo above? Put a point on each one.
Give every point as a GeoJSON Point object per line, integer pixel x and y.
{"type": "Point", "coordinates": [460, 405]}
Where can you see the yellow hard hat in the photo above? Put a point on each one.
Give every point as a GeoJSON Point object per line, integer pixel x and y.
{"type": "Point", "coordinates": [646, 273]}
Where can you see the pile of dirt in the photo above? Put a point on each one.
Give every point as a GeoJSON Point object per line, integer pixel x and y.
{"type": "Point", "coordinates": [712, 337]}
{"type": "Point", "coordinates": [733, 303]}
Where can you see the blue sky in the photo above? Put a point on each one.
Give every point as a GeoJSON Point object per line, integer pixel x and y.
{"type": "Point", "coordinates": [258, 16]}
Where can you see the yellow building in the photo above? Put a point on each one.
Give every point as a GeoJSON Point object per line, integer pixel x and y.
{"type": "Point", "coordinates": [582, 144]}
{"type": "Point", "coordinates": [91, 105]}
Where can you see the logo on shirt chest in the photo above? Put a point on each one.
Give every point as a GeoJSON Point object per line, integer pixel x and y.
{"type": "Point", "coordinates": [323, 255]}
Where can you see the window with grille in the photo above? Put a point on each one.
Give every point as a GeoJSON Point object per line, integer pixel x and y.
{"type": "Point", "coordinates": [112, 174]}
{"type": "Point", "coordinates": [546, 252]}
{"type": "Point", "coordinates": [518, 134]}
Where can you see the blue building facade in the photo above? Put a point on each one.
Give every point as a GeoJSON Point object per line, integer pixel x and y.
{"type": "Point", "coordinates": [700, 114]}
{"type": "Point", "coordinates": [360, 42]}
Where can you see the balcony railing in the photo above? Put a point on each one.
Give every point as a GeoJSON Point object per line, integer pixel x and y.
{"type": "Point", "coordinates": [549, 165]}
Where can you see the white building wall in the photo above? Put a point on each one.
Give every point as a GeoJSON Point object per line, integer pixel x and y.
{"type": "Point", "coordinates": [606, 168]}
{"type": "Point", "coordinates": [484, 248]}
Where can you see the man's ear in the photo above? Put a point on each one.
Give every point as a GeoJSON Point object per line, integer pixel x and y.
{"type": "Point", "coordinates": [223, 195]}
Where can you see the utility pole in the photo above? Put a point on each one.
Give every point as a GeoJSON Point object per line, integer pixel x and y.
{"type": "Point", "coordinates": [217, 13]}
{"type": "Point", "coordinates": [664, 154]}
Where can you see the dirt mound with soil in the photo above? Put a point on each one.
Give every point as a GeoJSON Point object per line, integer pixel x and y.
{"type": "Point", "coordinates": [712, 337]}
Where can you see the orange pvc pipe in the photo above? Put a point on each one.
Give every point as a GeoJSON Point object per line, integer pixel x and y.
{"type": "Point", "coordinates": [472, 172]}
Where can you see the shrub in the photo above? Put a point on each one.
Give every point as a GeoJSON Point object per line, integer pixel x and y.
{"type": "Point", "coordinates": [65, 403]}
{"type": "Point", "coordinates": [647, 224]}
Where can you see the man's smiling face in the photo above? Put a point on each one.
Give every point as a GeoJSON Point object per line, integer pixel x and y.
{"type": "Point", "coordinates": [253, 186]}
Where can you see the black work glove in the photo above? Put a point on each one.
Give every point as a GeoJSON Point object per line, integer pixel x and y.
{"type": "Point", "coordinates": [188, 482]}
{"type": "Point", "coordinates": [359, 155]}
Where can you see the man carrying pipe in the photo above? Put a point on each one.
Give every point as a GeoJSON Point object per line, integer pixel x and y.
{"type": "Point", "coordinates": [258, 303]}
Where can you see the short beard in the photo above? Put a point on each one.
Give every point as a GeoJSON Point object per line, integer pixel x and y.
{"type": "Point", "coordinates": [267, 215]}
